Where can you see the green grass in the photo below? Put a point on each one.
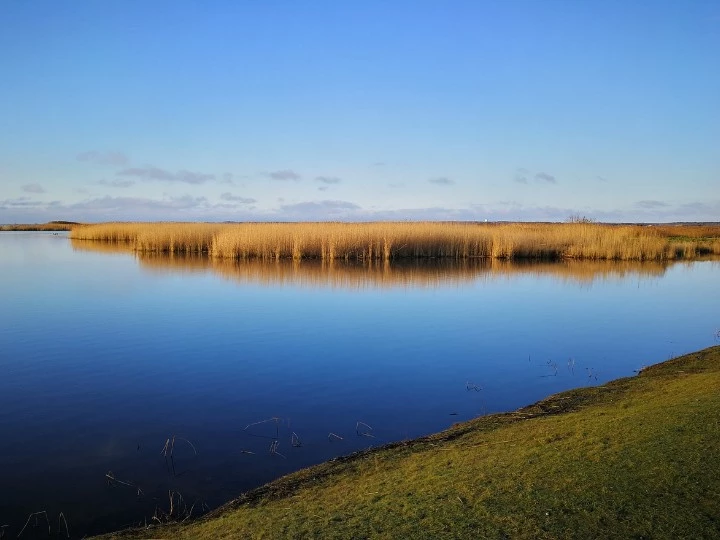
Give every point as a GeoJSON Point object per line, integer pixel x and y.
{"type": "Point", "coordinates": [636, 458]}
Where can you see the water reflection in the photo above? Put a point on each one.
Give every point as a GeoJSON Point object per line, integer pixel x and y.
{"type": "Point", "coordinates": [108, 356]}
{"type": "Point", "coordinates": [379, 274]}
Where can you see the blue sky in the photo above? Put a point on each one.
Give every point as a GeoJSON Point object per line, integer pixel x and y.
{"type": "Point", "coordinates": [313, 110]}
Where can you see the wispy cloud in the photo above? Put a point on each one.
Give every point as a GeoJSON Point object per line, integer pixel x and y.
{"type": "Point", "coordinates": [651, 205]}
{"type": "Point", "coordinates": [545, 177]}
{"type": "Point", "coordinates": [154, 173]}
{"type": "Point", "coordinates": [710, 208]}
{"type": "Point", "coordinates": [20, 202]}
{"type": "Point", "coordinates": [185, 202]}
{"type": "Point", "coordinates": [117, 183]}
{"type": "Point", "coordinates": [318, 210]}
{"type": "Point", "coordinates": [33, 188]}
{"type": "Point", "coordinates": [442, 181]}
{"type": "Point", "coordinates": [236, 207]}
{"type": "Point", "coordinates": [227, 196]}
{"type": "Point", "coordinates": [117, 159]}
{"type": "Point", "coordinates": [521, 176]}
{"type": "Point", "coordinates": [284, 174]}
{"type": "Point", "coordinates": [328, 179]}
{"type": "Point", "coordinates": [433, 213]}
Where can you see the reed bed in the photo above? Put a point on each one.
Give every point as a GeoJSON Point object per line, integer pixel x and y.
{"type": "Point", "coordinates": [411, 240]}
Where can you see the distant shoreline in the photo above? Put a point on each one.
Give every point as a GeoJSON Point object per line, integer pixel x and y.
{"type": "Point", "coordinates": [49, 226]}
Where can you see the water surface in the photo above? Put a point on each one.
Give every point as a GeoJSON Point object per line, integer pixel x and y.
{"type": "Point", "coordinates": [105, 354]}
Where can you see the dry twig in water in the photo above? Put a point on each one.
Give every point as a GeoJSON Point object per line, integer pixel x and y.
{"type": "Point", "coordinates": [67, 529]}
{"type": "Point", "coordinates": [273, 449]}
{"type": "Point", "coordinates": [275, 419]}
{"type": "Point", "coordinates": [363, 432]}
{"type": "Point", "coordinates": [112, 480]}
{"type": "Point", "coordinates": [169, 447]}
{"type": "Point", "coordinates": [35, 515]}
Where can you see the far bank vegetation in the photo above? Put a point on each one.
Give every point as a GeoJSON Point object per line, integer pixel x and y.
{"type": "Point", "coordinates": [49, 226]}
{"type": "Point", "coordinates": [406, 240]}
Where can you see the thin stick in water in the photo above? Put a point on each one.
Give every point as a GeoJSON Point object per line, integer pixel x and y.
{"type": "Point", "coordinates": [67, 529]}
{"type": "Point", "coordinates": [35, 515]}
{"type": "Point", "coordinates": [363, 432]}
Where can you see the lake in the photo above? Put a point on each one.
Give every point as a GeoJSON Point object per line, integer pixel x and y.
{"type": "Point", "coordinates": [257, 370]}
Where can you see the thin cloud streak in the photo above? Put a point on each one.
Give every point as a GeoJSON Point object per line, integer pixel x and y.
{"type": "Point", "coordinates": [227, 196]}
{"type": "Point", "coordinates": [155, 173]}
{"type": "Point", "coordinates": [284, 174]}
{"type": "Point", "coordinates": [116, 159]}
{"type": "Point", "coordinates": [117, 183]}
{"type": "Point", "coordinates": [318, 209]}
{"type": "Point", "coordinates": [33, 188]}
{"type": "Point", "coordinates": [521, 176]}
{"type": "Point", "coordinates": [545, 177]}
{"type": "Point", "coordinates": [235, 208]}
{"type": "Point", "coordinates": [442, 181]}
{"type": "Point", "coordinates": [21, 202]}
{"type": "Point", "coordinates": [328, 179]}
{"type": "Point", "coordinates": [651, 205]}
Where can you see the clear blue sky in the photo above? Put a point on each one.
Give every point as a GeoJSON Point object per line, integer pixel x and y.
{"type": "Point", "coordinates": [291, 110]}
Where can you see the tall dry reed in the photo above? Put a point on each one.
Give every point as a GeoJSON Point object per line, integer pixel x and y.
{"type": "Point", "coordinates": [402, 240]}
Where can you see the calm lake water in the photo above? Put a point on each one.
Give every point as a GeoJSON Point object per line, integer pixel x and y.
{"type": "Point", "coordinates": [104, 355]}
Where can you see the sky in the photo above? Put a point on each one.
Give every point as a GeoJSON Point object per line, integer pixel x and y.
{"type": "Point", "coordinates": [359, 110]}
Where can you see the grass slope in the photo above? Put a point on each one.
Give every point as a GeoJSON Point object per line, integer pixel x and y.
{"type": "Point", "coordinates": [636, 458]}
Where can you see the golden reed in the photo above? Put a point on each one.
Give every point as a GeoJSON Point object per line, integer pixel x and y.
{"type": "Point", "coordinates": [407, 240]}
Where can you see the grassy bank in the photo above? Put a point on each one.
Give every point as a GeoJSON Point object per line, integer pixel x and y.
{"type": "Point", "coordinates": [392, 240]}
{"type": "Point", "coordinates": [636, 458]}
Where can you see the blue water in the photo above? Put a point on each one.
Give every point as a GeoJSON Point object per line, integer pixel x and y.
{"type": "Point", "coordinates": [104, 356]}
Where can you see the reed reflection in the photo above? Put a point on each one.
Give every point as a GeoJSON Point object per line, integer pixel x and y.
{"type": "Point", "coordinates": [381, 274]}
